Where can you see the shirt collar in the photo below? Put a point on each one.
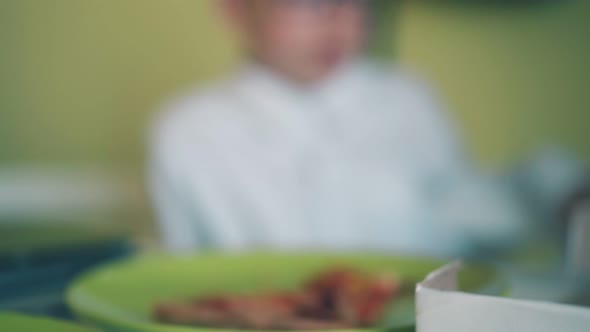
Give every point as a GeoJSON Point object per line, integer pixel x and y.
{"type": "Point", "coordinates": [340, 88]}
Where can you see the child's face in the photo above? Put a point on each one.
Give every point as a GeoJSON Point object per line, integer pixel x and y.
{"type": "Point", "coordinates": [304, 40]}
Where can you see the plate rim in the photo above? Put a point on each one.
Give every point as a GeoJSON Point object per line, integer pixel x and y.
{"type": "Point", "coordinates": [88, 313]}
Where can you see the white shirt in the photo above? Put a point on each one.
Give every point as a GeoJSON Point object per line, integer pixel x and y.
{"type": "Point", "coordinates": [365, 160]}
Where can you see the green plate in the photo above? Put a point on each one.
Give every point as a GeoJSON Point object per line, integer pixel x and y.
{"type": "Point", "coordinates": [120, 296]}
{"type": "Point", "coordinates": [20, 323]}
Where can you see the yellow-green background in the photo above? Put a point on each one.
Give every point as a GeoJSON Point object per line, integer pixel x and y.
{"type": "Point", "coordinates": [80, 79]}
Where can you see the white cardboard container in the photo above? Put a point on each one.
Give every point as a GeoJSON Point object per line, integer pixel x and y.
{"type": "Point", "coordinates": [440, 307]}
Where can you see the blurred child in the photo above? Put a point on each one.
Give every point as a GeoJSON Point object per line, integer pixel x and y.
{"type": "Point", "coordinates": [313, 146]}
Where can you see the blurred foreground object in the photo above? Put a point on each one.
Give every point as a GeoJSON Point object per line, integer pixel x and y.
{"type": "Point", "coordinates": [121, 295]}
{"type": "Point", "coordinates": [54, 224]}
{"type": "Point", "coordinates": [19, 323]}
{"type": "Point", "coordinates": [337, 298]}
{"type": "Point", "coordinates": [440, 307]}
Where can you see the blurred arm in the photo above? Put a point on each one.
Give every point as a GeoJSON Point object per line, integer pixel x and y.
{"type": "Point", "coordinates": [468, 207]}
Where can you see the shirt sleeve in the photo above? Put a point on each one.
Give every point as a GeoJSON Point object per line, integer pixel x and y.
{"type": "Point", "coordinates": [468, 205]}
{"type": "Point", "coordinates": [188, 180]}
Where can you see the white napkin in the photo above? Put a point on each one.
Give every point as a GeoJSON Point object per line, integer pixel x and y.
{"type": "Point", "coordinates": [440, 307]}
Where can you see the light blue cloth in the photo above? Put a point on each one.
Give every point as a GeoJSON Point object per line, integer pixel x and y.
{"type": "Point", "coordinates": [363, 161]}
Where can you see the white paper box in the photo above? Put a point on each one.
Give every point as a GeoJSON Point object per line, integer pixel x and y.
{"type": "Point", "coordinates": [440, 308]}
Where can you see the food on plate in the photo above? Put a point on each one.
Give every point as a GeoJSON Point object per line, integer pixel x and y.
{"type": "Point", "coordinates": [337, 298]}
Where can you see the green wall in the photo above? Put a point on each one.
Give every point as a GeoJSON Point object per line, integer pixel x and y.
{"type": "Point", "coordinates": [85, 76]}
{"type": "Point", "coordinates": [515, 77]}
{"type": "Point", "coordinates": [80, 79]}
